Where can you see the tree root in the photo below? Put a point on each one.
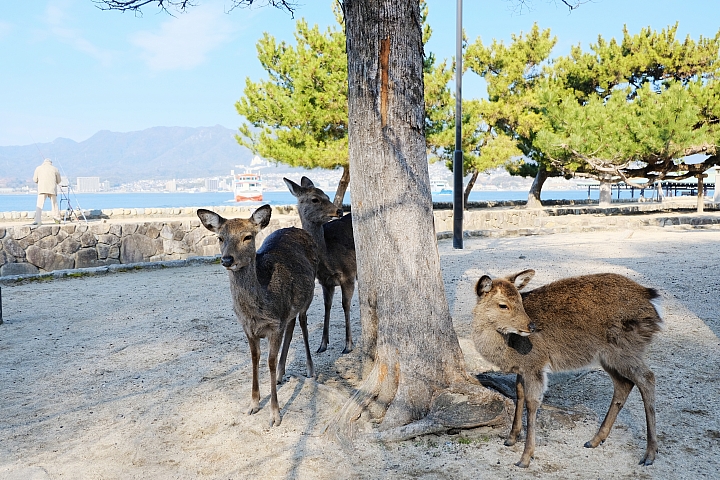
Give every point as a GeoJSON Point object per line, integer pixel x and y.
{"type": "Point", "coordinates": [461, 406]}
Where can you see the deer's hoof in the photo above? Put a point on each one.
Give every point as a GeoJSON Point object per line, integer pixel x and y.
{"type": "Point", "coordinates": [275, 420]}
{"type": "Point", "coordinates": [509, 442]}
{"type": "Point", "coordinates": [347, 349]}
{"type": "Point", "coordinates": [522, 464]}
{"type": "Point", "coordinates": [253, 409]}
{"type": "Point", "coordinates": [647, 460]}
{"type": "Point", "coordinates": [321, 349]}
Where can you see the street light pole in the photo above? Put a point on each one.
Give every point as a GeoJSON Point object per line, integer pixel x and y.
{"type": "Point", "coordinates": [458, 199]}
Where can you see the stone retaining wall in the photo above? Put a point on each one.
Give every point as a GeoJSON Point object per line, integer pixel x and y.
{"type": "Point", "coordinates": [29, 250]}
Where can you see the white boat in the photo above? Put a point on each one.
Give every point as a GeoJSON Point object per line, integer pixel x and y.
{"type": "Point", "coordinates": [247, 187]}
{"type": "Point", "coordinates": [440, 187]}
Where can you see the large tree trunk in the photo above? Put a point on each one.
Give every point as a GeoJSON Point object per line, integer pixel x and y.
{"type": "Point", "coordinates": [410, 349]}
{"type": "Point", "coordinates": [469, 187]}
{"type": "Point", "coordinates": [533, 200]}
{"type": "Point", "coordinates": [342, 186]}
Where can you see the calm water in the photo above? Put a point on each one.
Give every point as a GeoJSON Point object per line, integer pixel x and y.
{"type": "Point", "coordinates": [101, 201]}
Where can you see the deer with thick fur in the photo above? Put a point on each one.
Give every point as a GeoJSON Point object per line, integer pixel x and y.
{"type": "Point", "coordinates": [573, 323]}
{"type": "Point", "coordinates": [270, 287]}
{"type": "Point", "coordinates": [336, 246]}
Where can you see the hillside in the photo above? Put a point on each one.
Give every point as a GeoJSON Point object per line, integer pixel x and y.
{"type": "Point", "coordinates": [155, 153]}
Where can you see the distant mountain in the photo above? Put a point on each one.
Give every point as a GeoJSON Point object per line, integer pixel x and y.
{"type": "Point", "coordinates": [155, 153]}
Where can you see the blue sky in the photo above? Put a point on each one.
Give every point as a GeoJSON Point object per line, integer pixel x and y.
{"type": "Point", "coordinates": [68, 69]}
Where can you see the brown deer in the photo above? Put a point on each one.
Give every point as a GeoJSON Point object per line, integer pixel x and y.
{"type": "Point", "coordinates": [336, 247]}
{"type": "Point", "coordinates": [567, 325]}
{"type": "Point", "coordinates": [269, 287]}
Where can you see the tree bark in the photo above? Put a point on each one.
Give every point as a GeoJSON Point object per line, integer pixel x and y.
{"type": "Point", "coordinates": [534, 193]}
{"type": "Point", "coordinates": [701, 193]}
{"type": "Point", "coordinates": [605, 193]}
{"type": "Point", "coordinates": [469, 187]}
{"type": "Point", "coordinates": [409, 347]}
{"type": "Point", "coordinates": [342, 186]}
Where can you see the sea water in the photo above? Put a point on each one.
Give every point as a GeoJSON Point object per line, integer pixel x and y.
{"type": "Point", "coordinates": [103, 201]}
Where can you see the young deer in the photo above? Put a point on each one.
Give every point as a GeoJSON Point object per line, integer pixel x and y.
{"type": "Point", "coordinates": [567, 325]}
{"type": "Point", "coordinates": [269, 289]}
{"type": "Point", "coordinates": [336, 247]}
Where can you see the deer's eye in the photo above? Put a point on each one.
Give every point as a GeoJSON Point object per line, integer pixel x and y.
{"type": "Point", "coordinates": [246, 238]}
{"type": "Point", "coordinates": [503, 306]}
{"type": "Point", "coordinates": [315, 200]}
{"type": "Point", "coordinates": [220, 239]}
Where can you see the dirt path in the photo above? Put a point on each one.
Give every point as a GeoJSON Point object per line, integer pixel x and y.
{"type": "Point", "coordinates": [146, 374]}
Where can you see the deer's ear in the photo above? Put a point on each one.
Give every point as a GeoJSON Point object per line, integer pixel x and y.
{"type": "Point", "coordinates": [211, 220]}
{"type": "Point", "coordinates": [483, 286]}
{"type": "Point", "coordinates": [521, 279]}
{"type": "Point", "coordinates": [292, 186]}
{"type": "Point", "coordinates": [261, 216]}
{"type": "Point", "coordinates": [306, 182]}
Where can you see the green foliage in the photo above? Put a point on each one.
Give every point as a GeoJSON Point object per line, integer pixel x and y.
{"type": "Point", "coordinates": [298, 115]}
{"type": "Point", "coordinates": [635, 108]}
{"type": "Point", "coordinates": [513, 74]}
{"type": "Point", "coordinates": [624, 109]}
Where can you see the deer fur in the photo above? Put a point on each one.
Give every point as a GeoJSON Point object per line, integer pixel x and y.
{"type": "Point", "coordinates": [269, 288]}
{"type": "Point", "coordinates": [336, 247]}
{"type": "Point", "coordinates": [604, 319]}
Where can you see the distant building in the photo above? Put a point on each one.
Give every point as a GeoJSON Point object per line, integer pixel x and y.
{"type": "Point", "coordinates": [88, 184]}
{"type": "Point", "coordinates": [171, 186]}
{"type": "Point", "coordinates": [212, 184]}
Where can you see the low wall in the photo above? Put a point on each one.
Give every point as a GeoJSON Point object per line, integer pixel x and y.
{"type": "Point", "coordinates": [30, 249]}
{"type": "Point", "coordinates": [130, 237]}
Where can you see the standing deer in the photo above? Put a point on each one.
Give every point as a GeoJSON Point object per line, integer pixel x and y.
{"type": "Point", "coordinates": [336, 247]}
{"type": "Point", "coordinates": [269, 287]}
{"type": "Point", "coordinates": [567, 325]}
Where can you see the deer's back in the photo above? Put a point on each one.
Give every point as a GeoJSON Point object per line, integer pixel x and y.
{"type": "Point", "coordinates": [286, 266]}
{"type": "Point", "coordinates": [339, 261]}
{"type": "Point", "coordinates": [580, 319]}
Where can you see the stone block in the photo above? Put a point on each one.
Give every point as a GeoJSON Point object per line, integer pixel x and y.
{"type": "Point", "coordinates": [18, 269]}
{"type": "Point", "coordinates": [108, 238]}
{"type": "Point", "coordinates": [68, 246]}
{"type": "Point", "coordinates": [166, 232]}
{"type": "Point", "coordinates": [48, 242]}
{"type": "Point", "coordinates": [103, 249]}
{"type": "Point", "coordinates": [101, 228]}
{"type": "Point", "coordinates": [136, 248]}
{"type": "Point", "coordinates": [153, 230]}
{"type": "Point", "coordinates": [13, 247]}
{"type": "Point", "coordinates": [87, 239]}
{"type": "Point", "coordinates": [115, 229]}
{"type": "Point", "coordinates": [21, 231]}
{"type": "Point", "coordinates": [86, 257]}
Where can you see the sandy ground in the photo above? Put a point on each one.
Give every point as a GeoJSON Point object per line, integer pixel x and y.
{"type": "Point", "coordinates": [146, 374]}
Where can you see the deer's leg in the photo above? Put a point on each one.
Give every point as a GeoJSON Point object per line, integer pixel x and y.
{"type": "Point", "coordinates": [255, 356]}
{"type": "Point", "coordinates": [274, 341]}
{"type": "Point", "coordinates": [622, 388]}
{"type": "Point", "coordinates": [534, 386]}
{"type": "Point", "coordinates": [328, 293]}
{"type": "Point", "coordinates": [519, 407]}
{"type": "Point", "coordinates": [287, 338]}
{"type": "Point", "coordinates": [308, 359]}
{"type": "Point", "coordinates": [644, 378]}
{"type": "Point", "coordinates": [348, 288]}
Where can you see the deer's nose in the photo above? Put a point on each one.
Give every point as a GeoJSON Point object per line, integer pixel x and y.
{"type": "Point", "coordinates": [532, 327]}
{"type": "Point", "coordinates": [339, 212]}
{"type": "Point", "coordinates": [226, 261]}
